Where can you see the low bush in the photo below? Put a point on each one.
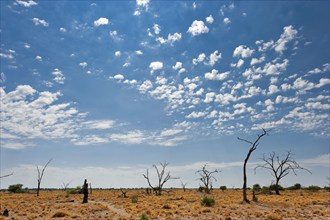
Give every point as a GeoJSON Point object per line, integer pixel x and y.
{"type": "Point", "coordinates": [207, 201]}
{"type": "Point", "coordinates": [295, 187]}
{"type": "Point", "coordinates": [256, 187]}
{"type": "Point", "coordinates": [134, 199]}
{"type": "Point", "coordinates": [223, 188]}
{"type": "Point", "coordinates": [272, 187]}
{"type": "Point", "coordinates": [16, 188]}
{"type": "Point", "coordinates": [313, 188]}
{"type": "Point", "coordinates": [144, 217]}
{"type": "Point", "coordinates": [77, 190]}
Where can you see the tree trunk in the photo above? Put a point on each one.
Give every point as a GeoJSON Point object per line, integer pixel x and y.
{"type": "Point", "coordinates": [38, 189]}
{"type": "Point", "coordinates": [277, 191]}
{"type": "Point", "coordinates": [245, 199]}
{"type": "Point", "coordinates": [85, 191]}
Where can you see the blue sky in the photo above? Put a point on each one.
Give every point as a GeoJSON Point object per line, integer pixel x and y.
{"type": "Point", "coordinates": [107, 89]}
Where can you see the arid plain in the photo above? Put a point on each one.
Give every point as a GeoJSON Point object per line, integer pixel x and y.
{"type": "Point", "coordinates": [172, 204]}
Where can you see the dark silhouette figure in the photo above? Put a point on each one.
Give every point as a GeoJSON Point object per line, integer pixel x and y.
{"type": "Point", "coordinates": [6, 213]}
{"type": "Point", "coordinates": [85, 191]}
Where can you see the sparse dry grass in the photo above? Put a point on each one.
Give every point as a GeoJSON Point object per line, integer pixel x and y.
{"type": "Point", "coordinates": [174, 204]}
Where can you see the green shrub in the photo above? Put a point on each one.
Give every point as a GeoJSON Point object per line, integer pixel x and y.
{"type": "Point", "coordinates": [134, 199]}
{"type": "Point", "coordinates": [16, 188]}
{"type": "Point", "coordinates": [256, 187]}
{"type": "Point", "coordinates": [295, 187]}
{"type": "Point", "coordinates": [327, 188]}
{"type": "Point", "coordinates": [313, 188]}
{"type": "Point", "coordinates": [272, 187]}
{"type": "Point", "coordinates": [223, 188]}
{"type": "Point", "coordinates": [207, 201]}
{"type": "Point", "coordinates": [265, 190]}
{"type": "Point", "coordinates": [144, 217]}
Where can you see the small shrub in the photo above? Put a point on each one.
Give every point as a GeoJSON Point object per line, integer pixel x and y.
{"type": "Point", "coordinates": [327, 188]}
{"type": "Point", "coordinates": [256, 187]}
{"type": "Point", "coordinates": [134, 199]}
{"type": "Point", "coordinates": [223, 188]}
{"type": "Point", "coordinates": [313, 188]}
{"type": "Point", "coordinates": [144, 217]}
{"type": "Point", "coordinates": [207, 201]}
{"type": "Point", "coordinates": [16, 188]}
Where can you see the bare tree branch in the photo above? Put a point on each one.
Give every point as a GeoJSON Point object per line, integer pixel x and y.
{"type": "Point", "coordinates": [161, 178]}
{"type": "Point", "coordinates": [280, 167]}
{"type": "Point", "coordinates": [41, 174]}
{"type": "Point", "coordinates": [6, 175]}
{"type": "Point", "coordinates": [206, 177]}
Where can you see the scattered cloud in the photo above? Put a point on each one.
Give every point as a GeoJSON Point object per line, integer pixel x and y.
{"type": "Point", "coordinates": [119, 77]}
{"type": "Point", "coordinates": [209, 19]}
{"type": "Point", "coordinates": [26, 4]}
{"type": "Point", "coordinates": [289, 34]}
{"type": "Point", "coordinates": [197, 28]}
{"type": "Point", "coordinates": [171, 38]}
{"type": "Point", "coordinates": [39, 58]}
{"type": "Point", "coordinates": [63, 30]}
{"type": "Point", "coordinates": [156, 65]}
{"type": "Point", "coordinates": [201, 57]}
{"type": "Point", "coordinates": [226, 21]}
{"type": "Point", "coordinates": [58, 76]}
{"type": "Point", "coordinates": [215, 75]}
{"type": "Point", "coordinates": [38, 22]}
{"type": "Point", "coordinates": [242, 51]}
{"type": "Point", "coordinates": [117, 53]}
{"type": "Point", "coordinates": [101, 21]}
{"type": "Point", "coordinates": [83, 64]}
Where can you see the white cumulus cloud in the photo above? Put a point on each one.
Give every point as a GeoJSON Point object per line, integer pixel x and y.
{"type": "Point", "coordinates": [215, 75]}
{"type": "Point", "coordinates": [156, 65]}
{"type": "Point", "coordinates": [242, 51]}
{"type": "Point", "coordinates": [209, 19]}
{"type": "Point", "coordinates": [197, 28]}
{"type": "Point", "coordinates": [26, 4]}
{"type": "Point", "coordinates": [101, 21]}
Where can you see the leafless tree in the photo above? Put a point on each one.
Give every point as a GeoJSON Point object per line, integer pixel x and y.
{"type": "Point", "coordinates": [206, 177]}
{"type": "Point", "coordinates": [7, 175]}
{"type": "Point", "coordinates": [280, 167]}
{"type": "Point", "coordinates": [40, 175]}
{"type": "Point", "coordinates": [162, 177]}
{"type": "Point", "coordinates": [66, 185]}
{"type": "Point", "coordinates": [183, 186]}
{"type": "Point", "coordinates": [253, 147]}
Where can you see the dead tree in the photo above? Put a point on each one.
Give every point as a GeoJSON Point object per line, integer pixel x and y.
{"type": "Point", "coordinates": [162, 178]}
{"type": "Point", "coordinates": [123, 193]}
{"type": "Point", "coordinates": [66, 185]}
{"type": "Point", "coordinates": [40, 175]}
{"type": "Point", "coordinates": [280, 167]}
{"type": "Point", "coordinates": [6, 175]}
{"type": "Point", "coordinates": [85, 191]}
{"type": "Point", "coordinates": [183, 186]}
{"type": "Point", "coordinates": [206, 178]}
{"type": "Point", "coordinates": [253, 147]}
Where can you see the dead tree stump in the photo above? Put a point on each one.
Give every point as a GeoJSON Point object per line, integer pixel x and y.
{"type": "Point", "coordinates": [85, 191]}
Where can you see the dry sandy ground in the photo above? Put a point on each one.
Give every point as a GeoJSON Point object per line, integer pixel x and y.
{"type": "Point", "coordinates": [173, 204]}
